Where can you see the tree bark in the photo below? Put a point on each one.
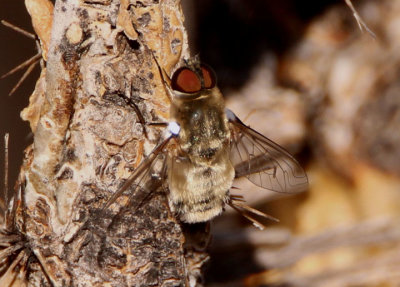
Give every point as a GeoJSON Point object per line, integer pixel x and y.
{"type": "Point", "coordinates": [98, 88]}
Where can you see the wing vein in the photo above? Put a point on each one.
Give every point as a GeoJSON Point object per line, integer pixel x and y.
{"type": "Point", "coordinates": [264, 162]}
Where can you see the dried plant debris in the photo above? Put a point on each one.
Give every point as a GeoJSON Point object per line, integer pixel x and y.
{"type": "Point", "coordinates": [18, 263]}
{"type": "Point", "coordinates": [15, 259]}
{"type": "Point", "coordinates": [343, 74]}
{"type": "Point", "coordinates": [41, 12]}
{"type": "Point", "coordinates": [30, 63]}
{"type": "Point", "coordinates": [19, 266]}
{"type": "Point", "coordinates": [361, 24]}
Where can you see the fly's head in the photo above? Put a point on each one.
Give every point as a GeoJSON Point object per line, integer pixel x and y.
{"type": "Point", "coordinates": [196, 101]}
{"type": "Point", "coordinates": [193, 81]}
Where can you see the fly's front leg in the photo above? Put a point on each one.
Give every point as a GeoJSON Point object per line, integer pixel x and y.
{"type": "Point", "coordinates": [140, 117]}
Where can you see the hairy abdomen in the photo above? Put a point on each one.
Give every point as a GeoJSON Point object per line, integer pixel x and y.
{"type": "Point", "coordinates": [198, 192]}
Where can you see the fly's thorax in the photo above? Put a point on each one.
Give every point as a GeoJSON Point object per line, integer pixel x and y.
{"type": "Point", "coordinates": [204, 126]}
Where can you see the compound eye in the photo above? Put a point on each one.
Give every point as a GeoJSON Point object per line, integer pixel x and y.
{"type": "Point", "coordinates": [208, 76]}
{"type": "Point", "coordinates": [186, 81]}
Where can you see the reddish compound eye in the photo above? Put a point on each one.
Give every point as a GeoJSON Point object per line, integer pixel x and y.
{"type": "Point", "coordinates": [208, 76]}
{"type": "Point", "coordinates": [185, 81]}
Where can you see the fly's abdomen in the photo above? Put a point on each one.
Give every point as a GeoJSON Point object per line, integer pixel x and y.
{"type": "Point", "coordinates": [199, 192]}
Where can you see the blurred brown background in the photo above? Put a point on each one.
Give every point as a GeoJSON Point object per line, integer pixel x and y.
{"type": "Point", "coordinates": [303, 74]}
{"type": "Point", "coordinates": [15, 49]}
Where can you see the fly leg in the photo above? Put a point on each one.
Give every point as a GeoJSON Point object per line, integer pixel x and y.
{"type": "Point", "coordinates": [140, 117]}
{"type": "Point", "coordinates": [237, 203]}
{"type": "Point", "coordinates": [137, 111]}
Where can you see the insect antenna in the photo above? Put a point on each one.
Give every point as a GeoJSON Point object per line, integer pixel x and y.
{"type": "Point", "coordinates": [31, 63]}
{"type": "Point", "coordinates": [237, 203]}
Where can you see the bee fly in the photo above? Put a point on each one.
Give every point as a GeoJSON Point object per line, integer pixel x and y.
{"type": "Point", "coordinates": [206, 147]}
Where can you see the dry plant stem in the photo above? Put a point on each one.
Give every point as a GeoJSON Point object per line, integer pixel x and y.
{"type": "Point", "coordinates": [88, 140]}
{"type": "Point", "coordinates": [6, 138]}
{"type": "Point", "coordinates": [361, 24]}
{"type": "Point", "coordinates": [370, 272]}
{"type": "Point", "coordinates": [281, 255]}
{"type": "Point", "coordinates": [369, 233]}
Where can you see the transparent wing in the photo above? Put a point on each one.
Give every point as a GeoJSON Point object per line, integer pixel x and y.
{"type": "Point", "coordinates": [142, 177]}
{"type": "Point", "coordinates": [263, 162]}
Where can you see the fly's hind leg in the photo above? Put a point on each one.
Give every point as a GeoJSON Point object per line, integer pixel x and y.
{"type": "Point", "coordinates": [237, 203]}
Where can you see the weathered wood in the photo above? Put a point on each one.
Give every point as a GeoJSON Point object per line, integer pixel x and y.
{"type": "Point", "coordinates": [100, 73]}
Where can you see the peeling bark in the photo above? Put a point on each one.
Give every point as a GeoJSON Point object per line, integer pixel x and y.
{"type": "Point", "coordinates": [100, 72]}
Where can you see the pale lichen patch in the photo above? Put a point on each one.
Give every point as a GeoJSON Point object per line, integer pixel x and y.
{"type": "Point", "coordinates": [74, 34]}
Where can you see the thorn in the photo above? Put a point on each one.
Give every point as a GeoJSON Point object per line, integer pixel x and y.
{"type": "Point", "coordinates": [17, 29]}
{"type": "Point", "coordinates": [24, 76]}
{"type": "Point", "coordinates": [28, 62]}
